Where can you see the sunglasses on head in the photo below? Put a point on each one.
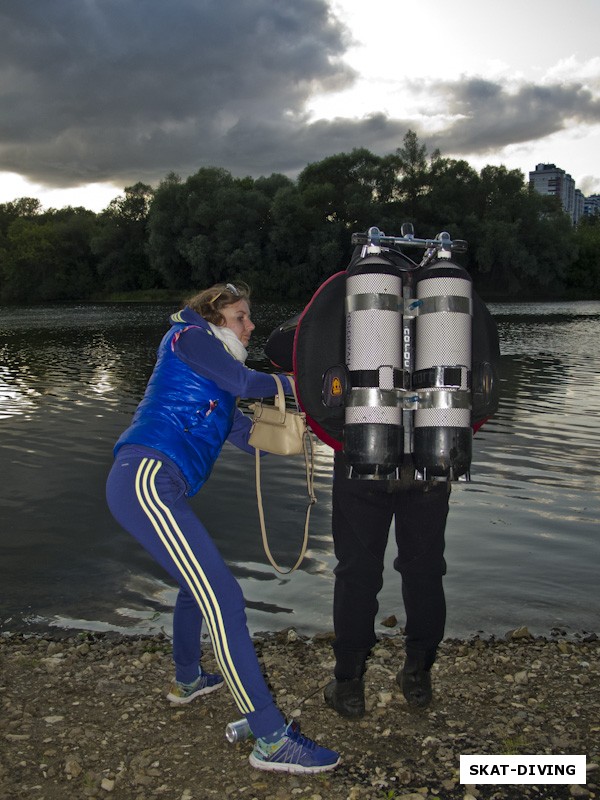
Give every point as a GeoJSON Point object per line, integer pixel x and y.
{"type": "Point", "coordinates": [230, 288]}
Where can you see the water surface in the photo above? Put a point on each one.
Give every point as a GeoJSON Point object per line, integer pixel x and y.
{"type": "Point", "coordinates": [522, 537]}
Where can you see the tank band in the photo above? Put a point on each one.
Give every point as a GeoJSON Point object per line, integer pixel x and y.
{"type": "Point", "coordinates": [373, 301]}
{"type": "Point", "coordinates": [371, 396]}
{"type": "Point", "coordinates": [431, 305]}
{"type": "Point", "coordinates": [443, 398]}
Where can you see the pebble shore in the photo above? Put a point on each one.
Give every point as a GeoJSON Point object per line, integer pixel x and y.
{"type": "Point", "coordinates": [85, 715]}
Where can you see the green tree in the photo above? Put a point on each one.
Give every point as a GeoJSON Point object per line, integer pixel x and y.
{"type": "Point", "coordinates": [285, 271]}
{"type": "Point", "coordinates": [22, 208]}
{"type": "Point", "coordinates": [336, 196]}
{"type": "Point", "coordinates": [524, 242]}
{"type": "Point", "coordinates": [48, 257]}
{"type": "Point", "coordinates": [120, 243]}
{"type": "Point", "coordinates": [166, 221]}
{"type": "Point", "coordinates": [227, 229]}
{"type": "Point", "coordinates": [212, 227]}
{"type": "Point", "coordinates": [346, 187]}
{"type": "Point", "coordinates": [414, 178]}
{"type": "Point", "coordinates": [285, 237]}
{"type": "Point", "coordinates": [583, 276]}
{"type": "Point", "coordinates": [454, 188]}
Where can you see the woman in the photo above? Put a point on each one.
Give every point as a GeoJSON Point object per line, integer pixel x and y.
{"type": "Point", "coordinates": [165, 456]}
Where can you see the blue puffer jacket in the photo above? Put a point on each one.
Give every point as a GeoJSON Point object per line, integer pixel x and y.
{"type": "Point", "coordinates": [183, 414]}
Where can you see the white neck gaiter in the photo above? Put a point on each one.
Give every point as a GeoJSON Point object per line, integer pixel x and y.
{"type": "Point", "coordinates": [231, 341]}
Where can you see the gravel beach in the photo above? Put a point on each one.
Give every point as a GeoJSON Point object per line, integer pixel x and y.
{"type": "Point", "coordinates": [85, 715]}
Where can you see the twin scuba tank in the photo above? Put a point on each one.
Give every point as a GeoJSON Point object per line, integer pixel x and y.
{"type": "Point", "coordinates": [408, 349]}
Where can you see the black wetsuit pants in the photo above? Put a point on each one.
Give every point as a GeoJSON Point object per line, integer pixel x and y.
{"type": "Point", "coordinates": [362, 517]}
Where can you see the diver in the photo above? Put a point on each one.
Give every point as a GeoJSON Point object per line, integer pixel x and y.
{"type": "Point", "coordinates": [315, 345]}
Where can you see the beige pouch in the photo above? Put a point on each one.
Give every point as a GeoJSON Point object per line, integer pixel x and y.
{"type": "Point", "coordinates": [276, 429]}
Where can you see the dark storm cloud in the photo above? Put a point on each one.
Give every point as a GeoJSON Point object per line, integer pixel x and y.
{"type": "Point", "coordinates": [488, 116]}
{"type": "Point", "coordinates": [127, 90]}
{"type": "Point", "coordinates": [100, 89]}
{"type": "Point", "coordinates": [289, 145]}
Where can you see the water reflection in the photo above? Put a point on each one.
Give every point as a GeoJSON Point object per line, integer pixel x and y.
{"type": "Point", "coordinates": [16, 394]}
{"type": "Point", "coordinates": [522, 537]}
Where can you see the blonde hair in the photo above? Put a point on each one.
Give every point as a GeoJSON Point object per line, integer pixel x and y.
{"type": "Point", "coordinates": [209, 302]}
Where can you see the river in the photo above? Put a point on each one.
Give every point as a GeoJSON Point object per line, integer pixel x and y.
{"type": "Point", "coordinates": [522, 536]}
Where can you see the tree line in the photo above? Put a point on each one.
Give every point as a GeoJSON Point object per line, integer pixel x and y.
{"type": "Point", "coordinates": [284, 237]}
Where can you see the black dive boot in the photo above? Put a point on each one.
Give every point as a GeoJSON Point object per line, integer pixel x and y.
{"type": "Point", "coordinates": [415, 682]}
{"type": "Point", "coordinates": [347, 695]}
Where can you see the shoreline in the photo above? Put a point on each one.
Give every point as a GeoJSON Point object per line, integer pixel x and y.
{"type": "Point", "coordinates": [85, 715]}
{"type": "Point", "coordinates": [384, 627]}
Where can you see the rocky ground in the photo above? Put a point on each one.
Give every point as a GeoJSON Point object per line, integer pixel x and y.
{"type": "Point", "coordinates": [86, 716]}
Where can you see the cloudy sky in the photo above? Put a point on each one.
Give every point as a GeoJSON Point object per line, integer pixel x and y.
{"type": "Point", "coordinates": [96, 95]}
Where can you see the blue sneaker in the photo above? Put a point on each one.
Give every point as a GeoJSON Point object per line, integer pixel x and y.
{"type": "Point", "coordinates": [181, 693]}
{"type": "Point", "coordinates": [293, 753]}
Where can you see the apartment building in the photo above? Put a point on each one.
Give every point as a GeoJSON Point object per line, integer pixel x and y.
{"type": "Point", "coordinates": [550, 179]}
{"type": "Point", "coordinates": [592, 205]}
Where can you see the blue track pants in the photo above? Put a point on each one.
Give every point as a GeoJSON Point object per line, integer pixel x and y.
{"type": "Point", "coordinates": [146, 495]}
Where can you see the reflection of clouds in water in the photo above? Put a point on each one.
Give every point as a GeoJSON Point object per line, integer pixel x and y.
{"type": "Point", "coordinates": [134, 622]}
{"type": "Point", "coordinates": [102, 381]}
{"type": "Point", "coordinates": [51, 378]}
{"type": "Point", "coordinates": [107, 369]}
{"type": "Point", "coordinates": [572, 339]}
{"type": "Point", "coordinates": [567, 310]}
{"type": "Point", "coordinates": [533, 502]}
{"type": "Point", "coordinates": [546, 426]}
{"type": "Point", "coordinates": [17, 398]}
{"type": "Point", "coordinates": [103, 367]}
{"type": "Point", "coordinates": [155, 590]}
{"type": "Point", "coordinates": [151, 600]}
{"type": "Point", "coordinates": [268, 608]}
{"type": "Point", "coordinates": [151, 603]}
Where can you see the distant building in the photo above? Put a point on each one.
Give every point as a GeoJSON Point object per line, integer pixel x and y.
{"type": "Point", "coordinates": [592, 205]}
{"type": "Point", "coordinates": [579, 206]}
{"type": "Point", "coordinates": [550, 179]}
